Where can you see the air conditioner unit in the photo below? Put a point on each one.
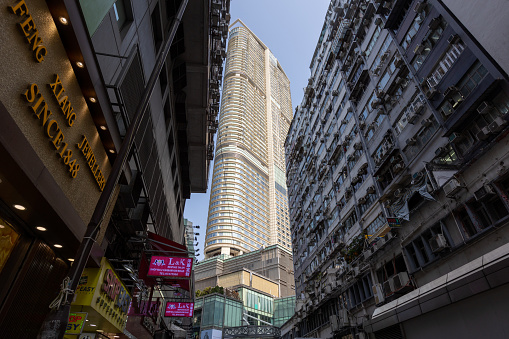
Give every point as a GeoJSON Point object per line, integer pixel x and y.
{"type": "Point", "coordinates": [394, 159]}
{"type": "Point", "coordinates": [398, 167]}
{"type": "Point", "coordinates": [375, 103]}
{"type": "Point", "coordinates": [455, 137]}
{"type": "Point", "coordinates": [378, 293]}
{"type": "Point", "coordinates": [334, 322]}
{"type": "Point", "coordinates": [449, 90]}
{"type": "Point", "coordinates": [413, 117]}
{"type": "Point", "coordinates": [440, 151]}
{"type": "Point", "coordinates": [427, 122]}
{"type": "Point", "coordinates": [384, 57]}
{"type": "Point", "coordinates": [378, 21]}
{"type": "Point", "coordinates": [438, 243]}
{"type": "Point", "coordinates": [344, 319]}
{"type": "Point", "coordinates": [362, 201]}
{"type": "Point", "coordinates": [483, 192]}
{"type": "Point", "coordinates": [418, 49]}
{"type": "Point", "coordinates": [411, 141]}
{"type": "Point", "coordinates": [434, 23]}
{"type": "Point", "coordinates": [453, 38]}
{"type": "Point", "coordinates": [452, 187]}
{"type": "Point", "coordinates": [399, 192]}
{"type": "Point", "coordinates": [335, 92]}
{"type": "Point", "coordinates": [362, 125]}
{"type": "Point", "coordinates": [370, 189]}
{"type": "Point", "coordinates": [483, 133]}
{"type": "Point", "coordinates": [357, 146]}
{"type": "Point", "coordinates": [399, 281]}
{"type": "Point", "coordinates": [497, 125]}
{"type": "Point", "coordinates": [419, 6]}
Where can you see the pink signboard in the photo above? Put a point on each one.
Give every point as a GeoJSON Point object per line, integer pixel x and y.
{"type": "Point", "coordinates": [179, 309]}
{"type": "Point", "coordinates": [170, 267]}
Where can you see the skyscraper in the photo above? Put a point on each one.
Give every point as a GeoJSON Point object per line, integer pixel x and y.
{"type": "Point", "coordinates": [248, 205]}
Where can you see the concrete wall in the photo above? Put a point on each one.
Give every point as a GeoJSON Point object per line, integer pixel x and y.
{"type": "Point", "coordinates": [488, 22]}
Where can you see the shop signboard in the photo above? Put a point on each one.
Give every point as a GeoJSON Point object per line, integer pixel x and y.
{"type": "Point", "coordinates": [170, 267]}
{"type": "Point", "coordinates": [394, 222]}
{"type": "Point", "coordinates": [102, 292]}
{"type": "Point", "coordinates": [175, 309]}
{"type": "Point", "coordinates": [76, 321]}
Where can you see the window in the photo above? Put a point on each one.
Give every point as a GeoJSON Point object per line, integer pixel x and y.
{"type": "Point", "coordinates": [375, 225]}
{"type": "Point", "coordinates": [477, 215]}
{"type": "Point", "coordinates": [373, 40]}
{"type": "Point", "coordinates": [463, 88]}
{"type": "Point", "coordinates": [359, 292]}
{"type": "Point", "coordinates": [445, 64]}
{"type": "Point", "coordinates": [419, 251]}
{"type": "Point", "coordinates": [430, 40]}
{"type": "Point", "coordinates": [121, 9]}
{"type": "Point", "coordinates": [414, 27]}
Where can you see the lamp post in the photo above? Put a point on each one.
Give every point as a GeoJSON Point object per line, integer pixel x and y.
{"type": "Point", "coordinates": [55, 324]}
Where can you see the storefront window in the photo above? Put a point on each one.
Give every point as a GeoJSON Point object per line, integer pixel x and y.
{"type": "Point", "coordinates": [8, 239]}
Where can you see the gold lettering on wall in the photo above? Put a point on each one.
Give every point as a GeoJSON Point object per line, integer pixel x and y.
{"type": "Point", "coordinates": [51, 128]}
{"type": "Point", "coordinates": [87, 152]}
{"type": "Point", "coordinates": [63, 101]}
{"type": "Point", "coordinates": [30, 30]}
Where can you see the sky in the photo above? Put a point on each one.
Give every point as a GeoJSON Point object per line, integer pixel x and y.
{"type": "Point", "coordinates": [290, 29]}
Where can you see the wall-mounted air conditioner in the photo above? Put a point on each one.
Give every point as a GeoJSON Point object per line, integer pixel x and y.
{"type": "Point", "coordinates": [483, 192]}
{"type": "Point", "coordinates": [334, 322]}
{"type": "Point", "coordinates": [452, 187]}
{"type": "Point", "coordinates": [497, 125]}
{"type": "Point", "coordinates": [378, 293]}
{"type": "Point", "coordinates": [484, 107]}
{"type": "Point", "coordinates": [411, 141]}
{"type": "Point", "coordinates": [438, 243]}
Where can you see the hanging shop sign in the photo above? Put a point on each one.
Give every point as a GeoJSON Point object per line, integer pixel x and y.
{"type": "Point", "coordinates": [101, 291]}
{"type": "Point", "coordinates": [76, 321]}
{"type": "Point", "coordinates": [174, 309]}
{"type": "Point", "coordinates": [394, 222]}
{"type": "Point", "coordinates": [170, 267]}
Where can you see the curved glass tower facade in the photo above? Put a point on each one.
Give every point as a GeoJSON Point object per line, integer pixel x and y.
{"type": "Point", "coordinates": [248, 202]}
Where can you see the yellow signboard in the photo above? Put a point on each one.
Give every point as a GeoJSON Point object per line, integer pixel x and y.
{"type": "Point", "coordinates": [101, 290]}
{"type": "Point", "coordinates": [76, 321]}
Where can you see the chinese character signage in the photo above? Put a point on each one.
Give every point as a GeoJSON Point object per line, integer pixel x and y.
{"type": "Point", "coordinates": [179, 309]}
{"type": "Point", "coordinates": [170, 267]}
{"type": "Point", "coordinates": [394, 222]}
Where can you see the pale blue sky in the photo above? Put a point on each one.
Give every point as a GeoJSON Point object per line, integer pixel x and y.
{"type": "Point", "coordinates": [290, 29]}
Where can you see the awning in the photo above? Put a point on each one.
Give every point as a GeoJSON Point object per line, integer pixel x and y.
{"type": "Point", "coordinates": [482, 274]}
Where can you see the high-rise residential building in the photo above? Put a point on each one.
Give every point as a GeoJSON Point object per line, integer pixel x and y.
{"type": "Point", "coordinates": [397, 173]}
{"type": "Point", "coordinates": [248, 203]}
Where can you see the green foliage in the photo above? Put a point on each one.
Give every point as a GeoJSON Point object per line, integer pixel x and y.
{"type": "Point", "coordinates": [209, 290]}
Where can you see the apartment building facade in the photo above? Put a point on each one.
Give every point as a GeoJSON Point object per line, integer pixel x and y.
{"type": "Point", "coordinates": [248, 206]}
{"type": "Point", "coordinates": [397, 176]}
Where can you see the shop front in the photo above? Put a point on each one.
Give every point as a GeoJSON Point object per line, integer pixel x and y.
{"type": "Point", "coordinates": [53, 162]}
